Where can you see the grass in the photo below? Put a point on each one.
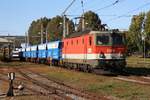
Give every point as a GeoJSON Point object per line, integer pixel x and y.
{"type": "Point", "coordinates": [137, 61]}
{"type": "Point", "coordinates": [101, 84]}
{"type": "Point", "coordinates": [138, 66]}
{"type": "Point", "coordinates": [10, 64]}
{"type": "Point", "coordinates": [122, 90]}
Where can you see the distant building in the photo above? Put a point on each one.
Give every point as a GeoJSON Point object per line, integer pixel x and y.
{"type": "Point", "coordinates": [15, 40]}
{"type": "Point", "coordinates": [5, 42]}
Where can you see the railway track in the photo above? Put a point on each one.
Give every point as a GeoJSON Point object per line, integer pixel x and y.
{"type": "Point", "coordinates": [47, 89]}
{"type": "Point", "coordinates": [31, 89]}
{"type": "Point", "coordinates": [58, 87]}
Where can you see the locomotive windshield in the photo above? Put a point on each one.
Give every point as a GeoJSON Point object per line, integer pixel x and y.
{"type": "Point", "coordinates": [103, 40]}
{"type": "Point", "coordinates": [110, 39]}
{"type": "Point", "coordinates": [117, 39]}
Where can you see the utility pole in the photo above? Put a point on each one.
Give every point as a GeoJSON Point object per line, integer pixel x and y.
{"type": "Point", "coordinates": [41, 33]}
{"type": "Point", "coordinates": [46, 34]}
{"type": "Point", "coordinates": [64, 18]}
{"type": "Point", "coordinates": [64, 25]}
{"type": "Point", "coordinates": [67, 27]}
{"type": "Point", "coordinates": [26, 39]}
{"type": "Point", "coordinates": [83, 19]}
{"type": "Point", "coordinates": [143, 38]}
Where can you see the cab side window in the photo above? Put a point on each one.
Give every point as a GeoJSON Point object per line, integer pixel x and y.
{"type": "Point", "coordinates": [90, 41]}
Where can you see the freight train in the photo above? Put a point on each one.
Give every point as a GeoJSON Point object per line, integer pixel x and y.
{"type": "Point", "coordinates": [85, 51]}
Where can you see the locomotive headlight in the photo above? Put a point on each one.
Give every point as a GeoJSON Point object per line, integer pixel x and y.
{"type": "Point", "coordinates": [101, 55]}
{"type": "Point", "coordinates": [122, 55]}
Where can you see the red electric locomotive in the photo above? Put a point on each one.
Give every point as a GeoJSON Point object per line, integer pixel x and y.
{"type": "Point", "coordinates": [94, 49]}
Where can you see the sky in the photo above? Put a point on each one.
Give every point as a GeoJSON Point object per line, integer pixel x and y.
{"type": "Point", "coordinates": [17, 15]}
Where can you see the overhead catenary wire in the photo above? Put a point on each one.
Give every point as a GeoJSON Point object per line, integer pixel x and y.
{"type": "Point", "coordinates": [116, 16]}
{"type": "Point", "coordinates": [77, 7]}
{"type": "Point", "coordinates": [92, 4]}
{"type": "Point", "coordinates": [105, 15]}
{"type": "Point", "coordinates": [83, 19]}
{"type": "Point", "coordinates": [136, 9]}
{"type": "Point", "coordinates": [112, 4]}
{"type": "Point", "coordinates": [68, 7]}
{"type": "Point", "coordinates": [107, 6]}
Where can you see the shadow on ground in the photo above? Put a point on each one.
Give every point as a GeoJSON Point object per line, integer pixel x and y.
{"type": "Point", "coordinates": [128, 71]}
{"type": "Point", "coordinates": [140, 71]}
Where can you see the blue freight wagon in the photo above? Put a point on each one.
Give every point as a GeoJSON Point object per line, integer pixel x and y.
{"type": "Point", "coordinates": [28, 53]}
{"type": "Point", "coordinates": [34, 53]}
{"type": "Point", "coordinates": [42, 53]}
{"type": "Point", "coordinates": [54, 52]}
{"type": "Point", "coordinates": [23, 50]}
{"type": "Point", "coordinates": [22, 54]}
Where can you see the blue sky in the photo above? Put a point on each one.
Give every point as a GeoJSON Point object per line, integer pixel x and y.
{"type": "Point", "coordinates": [17, 15]}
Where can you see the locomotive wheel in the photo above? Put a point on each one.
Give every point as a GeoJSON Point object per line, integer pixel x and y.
{"type": "Point", "coordinates": [85, 68]}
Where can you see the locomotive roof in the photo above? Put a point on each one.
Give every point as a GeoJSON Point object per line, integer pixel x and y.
{"type": "Point", "coordinates": [77, 34]}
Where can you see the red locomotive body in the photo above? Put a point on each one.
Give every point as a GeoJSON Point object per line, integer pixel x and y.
{"type": "Point", "coordinates": [94, 49]}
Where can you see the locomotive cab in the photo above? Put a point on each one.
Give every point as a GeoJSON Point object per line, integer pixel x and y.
{"type": "Point", "coordinates": [111, 48]}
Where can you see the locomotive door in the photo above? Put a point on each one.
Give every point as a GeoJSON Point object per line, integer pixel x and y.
{"type": "Point", "coordinates": [89, 47]}
{"type": "Point", "coordinates": [85, 49]}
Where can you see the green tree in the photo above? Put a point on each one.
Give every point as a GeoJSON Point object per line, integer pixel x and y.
{"type": "Point", "coordinates": [134, 36]}
{"type": "Point", "coordinates": [147, 24]}
{"type": "Point", "coordinates": [92, 21]}
{"type": "Point", "coordinates": [147, 31]}
{"type": "Point", "coordinates": [35, 29]}
{"type": "Point", "coordinates": [55, 28]}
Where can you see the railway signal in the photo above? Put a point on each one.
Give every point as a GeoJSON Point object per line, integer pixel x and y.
{"type": "Point", "coordinates": [11, 77]}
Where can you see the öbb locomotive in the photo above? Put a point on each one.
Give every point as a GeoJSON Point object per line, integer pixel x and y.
{"type": "Point", "coordinates": [85, 51]}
